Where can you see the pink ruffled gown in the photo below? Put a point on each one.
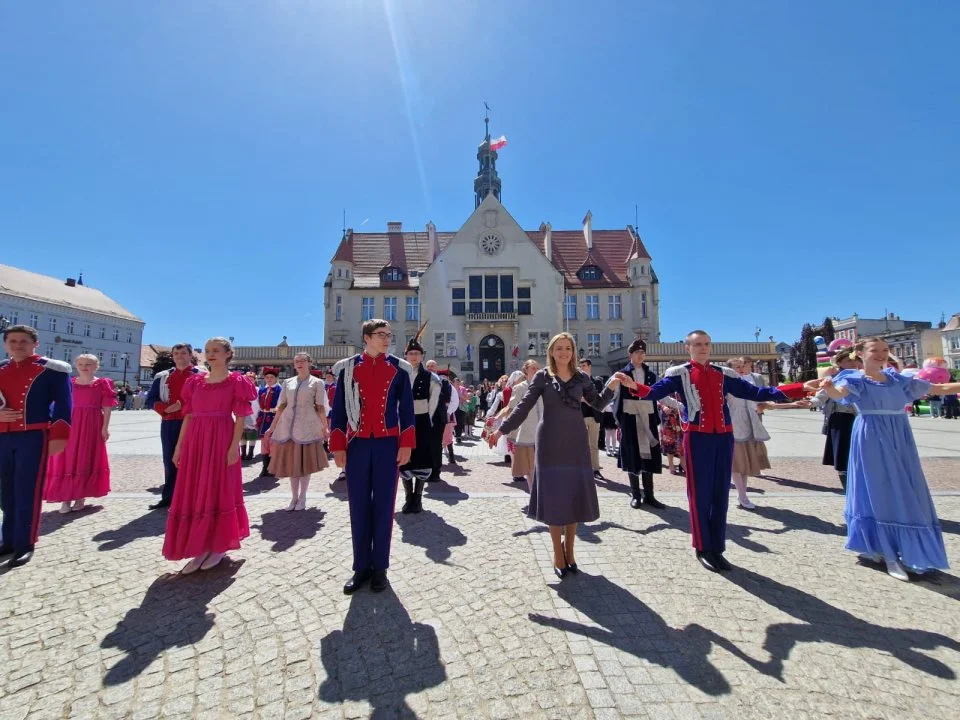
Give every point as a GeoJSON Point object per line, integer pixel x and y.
{"type": "Point", "coordinates": [83, 469]}
{"type": "Point", "coordinates": [207, 513]}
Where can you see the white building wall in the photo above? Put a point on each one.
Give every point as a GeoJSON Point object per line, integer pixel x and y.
{"type": "Point", "coordinates": [66, 332]}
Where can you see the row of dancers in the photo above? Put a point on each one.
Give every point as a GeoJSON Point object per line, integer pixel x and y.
{"type": "Point", "coordinates": [383, 424]}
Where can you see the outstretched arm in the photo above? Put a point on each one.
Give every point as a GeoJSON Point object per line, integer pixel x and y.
{"type": "Point", "coordinates": [945, 389]}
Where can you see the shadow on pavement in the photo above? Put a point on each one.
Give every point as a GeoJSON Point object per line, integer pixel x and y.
{"type": "Point", "coordinates": [742, 535]}
{"type": "Point", "coordinates": [52, 520]}
{"type": "Point", "coordinates": [588, 532]}
{"type": "Point", "coordinates": [801, 485]}
{"type": "Point", "coordinates": [800, 521]}
{"type": "Point", "coordinates": [380, 656]}
{"type": "Point", "coordinates": [444, 492]}
{"type": "Point", "coordinates": [173, 613]}
{"type": "Point", "coordinates": [629, 625]}
{"type": "Point", "coordinates": [261, 484]}
{"type": "Point", "coordinates": [824, 623]}
{"type": "Point", "coordinates": [431, 532]}
{"type": "Point", "coordinates": [284, 528]}
{"type": "Point", "coordinates": [151, 524]}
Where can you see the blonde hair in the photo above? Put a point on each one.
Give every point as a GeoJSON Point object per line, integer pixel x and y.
{"type": "Point", "coordinates": [527, 364]}
{"type": "Point", "coordinates": [552, 363]}
{"type": "Point", "coordinates": [224, 343]}
{"type": "Point", "coordinates": [86, 356]}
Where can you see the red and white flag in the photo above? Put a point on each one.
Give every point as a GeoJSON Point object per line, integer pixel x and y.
{"type": "Point", "coordinates": [498, 143]}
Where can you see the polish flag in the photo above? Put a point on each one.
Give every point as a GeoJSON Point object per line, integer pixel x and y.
{"type": "Point", "coordinates": [498, 143]}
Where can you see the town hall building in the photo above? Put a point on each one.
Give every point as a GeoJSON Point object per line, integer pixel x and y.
{"type": "Point", "coordinates": [492, 294]}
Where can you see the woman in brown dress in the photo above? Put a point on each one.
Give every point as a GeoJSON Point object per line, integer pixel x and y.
{"type": "Point", "coordinates": [564, 491]}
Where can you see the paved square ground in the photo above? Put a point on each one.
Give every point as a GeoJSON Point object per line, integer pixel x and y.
{"type": "Point", "coordinates": [475, 625]}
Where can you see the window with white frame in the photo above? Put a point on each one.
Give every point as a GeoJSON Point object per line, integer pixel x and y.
{"type": "Point", "coordinates": [100, 357]}
{"type": "Point", "coordinates": [129, 336]}
{"type": "Point", "coordinates": [390, 309]}
{"type": "Point", "coordinates": [34, 320]}
{"type": "Point", "coordinates": [643, 304]}
{"type": "Point", "coordinates": [14, 318]}
{"type": "Point", "coordinates": [70, 327]}
{"type": "Point", "coordinates": [68, 354]}
{"type": "Point", "coordinates": [116, 334]}
{"type": "Point", "coordinates": [616, 341]}
{"type": "Point", "coordinates": [339, 307]}
{"type": "Point", "coordinates": [570, 307]}
{"type": "Point", "coordinates": [593, 307]}
{"type": "Point", "coordinates": [538, 340]}
{"type": "Point", "coordinates": [955, 343]}
{"type": "Point", "coordinates": [439, 344]}
{"type": "Point", "coordinates": [413, 308]}
{"type": "Point", "coordinates": [366, 308]}
{"type": "Point", "coordinates": [593, 344]}
{"type": "Point", "coordinates": [615, 307]}
{"type": "Point", "coordinates": [114, 359]}
{"type": "Point", "coordinates": [102, 333]}
{"type": "Point", "coordinates": [50, 350]}
{"type": "Point", "coordinates": [86, 329]}
{"type": "Point", "coordinates": [52, 324]}
{"type": "Point", "coordinates": [523, 301]}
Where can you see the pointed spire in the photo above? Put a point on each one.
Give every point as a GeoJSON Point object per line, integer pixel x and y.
{"type": "Point", "coordinates": [487, 180]}
{"type": "Point", "coordinates": [80, 281]}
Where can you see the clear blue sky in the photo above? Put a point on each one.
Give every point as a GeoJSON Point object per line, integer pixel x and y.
{"type": "Point", "coordinates": [790, 159]}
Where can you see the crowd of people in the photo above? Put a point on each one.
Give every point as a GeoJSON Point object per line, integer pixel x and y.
{"type": "Point", "coordinates": [387, 421]}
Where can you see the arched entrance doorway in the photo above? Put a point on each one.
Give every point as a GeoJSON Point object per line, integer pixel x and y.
{"type": "Point", "coordinates": [492, 356]}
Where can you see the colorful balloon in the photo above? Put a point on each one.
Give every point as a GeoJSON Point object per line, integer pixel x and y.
{"type": "Point", "coordinates": [934, 374]}
{"type": "Point", "coordinates": [820, 342]}
{"type": "Point", "coordinates": [935, 362]}
{"type": "Point", "coordinates": [839, 344]}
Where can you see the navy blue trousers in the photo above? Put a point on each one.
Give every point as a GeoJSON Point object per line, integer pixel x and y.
{"type": "Point", "coordinates": [23, 468]}
{"type": "Point", "coordinates": [708, 464]}
{"type": "Point", "coordinates": [169, 433]}
{"type": "Point", "coordinates": [372, 474]}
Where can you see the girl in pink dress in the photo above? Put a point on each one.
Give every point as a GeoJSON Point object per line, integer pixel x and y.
{"type": "Point", "coordinates": [83, 470]}
{"type": "Point", "coordinates": [207, 516]}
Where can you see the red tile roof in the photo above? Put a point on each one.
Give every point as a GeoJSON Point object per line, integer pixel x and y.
{"type": "Point", "coordinates": [371, 253]}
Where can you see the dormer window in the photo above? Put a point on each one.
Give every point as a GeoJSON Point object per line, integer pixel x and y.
{"type": "Point", "coordinates": [590, 272]}
{"type": "Point", "coordinates": [391, 274]}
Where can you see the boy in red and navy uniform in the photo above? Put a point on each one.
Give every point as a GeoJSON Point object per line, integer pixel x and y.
{"type": "Point", "coordinates": [35, 407]}
{"type": "Point", "coordinates": [267, 399]}
{"type": "Point", "coordinates": [372, 433]}
{"type": "Point", "coordinates": [165, 397]}
{"type": "Point", "coordinates": [708, 438]}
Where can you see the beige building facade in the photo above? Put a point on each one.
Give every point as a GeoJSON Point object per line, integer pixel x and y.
{"type": "Point", "coordinates": [492, 293]}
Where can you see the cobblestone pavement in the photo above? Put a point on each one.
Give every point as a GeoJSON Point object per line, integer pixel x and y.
{"type": "Point", "coordinates": [475, 625]}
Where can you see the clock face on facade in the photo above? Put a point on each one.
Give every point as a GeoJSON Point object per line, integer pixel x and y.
{"type": "Point", "coordinates": [491, 243]}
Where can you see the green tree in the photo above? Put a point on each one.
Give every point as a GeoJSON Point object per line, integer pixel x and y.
{"type": "Point", "coordinates": [163, 361]}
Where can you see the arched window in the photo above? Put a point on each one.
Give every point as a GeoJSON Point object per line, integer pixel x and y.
{"type": "Point", "coordinates": [591, 272]}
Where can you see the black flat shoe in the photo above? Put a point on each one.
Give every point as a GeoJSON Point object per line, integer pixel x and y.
{"type": "Point", "coordinates": [561, 573]}
{"type": "Point", "coordinates": [379, 582]}
{"type": "Point", "coordinates": [159, 505]}
{"type": "Point", "coordinates": [706, 559]}
{"type": "Point", "coordinates": [720, 562]}
{"type": "Point", "coordinates": [356, 582]}
{"type": "Point", "coordinates": [6, 550]}
{"type": "Point", "coordinates": [20, 558]}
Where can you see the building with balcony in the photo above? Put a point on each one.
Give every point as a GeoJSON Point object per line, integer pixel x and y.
{"type": "Point", "coordinates": [950, 341]}
{"type": "Point", "coordinates": [855, 327]}
{"type": "Point", "coordinates": [492, 293]}
{"type": "Point", "coordinates": [280, 356]}
{"type": "Point", "coordinates": [72, 319]}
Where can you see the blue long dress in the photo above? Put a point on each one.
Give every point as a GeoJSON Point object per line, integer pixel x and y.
{"type": "Point", "coordinates": [889, 510]}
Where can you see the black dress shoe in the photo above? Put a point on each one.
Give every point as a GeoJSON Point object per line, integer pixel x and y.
{"type": "Point", "coordinates": [21, 557]}
{"type": "Point", "coordinates": [6, 550]}
{"type": "Point", "coordinates": [706, 559]}
{"type": "Point", "coordinates": [720, 562]}
{"type": "Point", "coordinates": [159, 505]}
{"type": "Point", "coordinates": [379, 582]}
{"type": "Point", "coordinates": [597, 475]}
{"type": "Point", "coordinates": [357, 581]}
{"type": "Point", "coordinates": [572, 567]}
{"type": "Point", "coordinates": [560, 572]}
{"type": "Point", "coordinates": [635, 503]}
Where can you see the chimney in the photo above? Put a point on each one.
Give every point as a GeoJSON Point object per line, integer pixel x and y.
{"type": "Point", "coordinates": [588, 229]}
{"type": "Point", "coordinates": [394, 227]}
{"type": "Point", "coordinates": [547, 229]}
{"type": "Point", "coordinates": [70, 282]}
{"type": "Point", "coordinates": [434, 247]}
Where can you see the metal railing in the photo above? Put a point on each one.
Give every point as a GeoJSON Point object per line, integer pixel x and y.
{"type": "Point", "coordinates": [285, 353]}
{"type": "Point", "coordinates": [492, 317]}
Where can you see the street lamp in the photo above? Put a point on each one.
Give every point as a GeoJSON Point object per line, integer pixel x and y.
{"type": "Point", "coordinates": [756, 333]}
{"type": "Point", "coordinates": [126, 358]}
{"type": "Point", "coordinates": [3, 322]}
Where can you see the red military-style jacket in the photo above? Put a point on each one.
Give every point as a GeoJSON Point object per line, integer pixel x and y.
{"type": "Point", "coordinates": [40, 388]}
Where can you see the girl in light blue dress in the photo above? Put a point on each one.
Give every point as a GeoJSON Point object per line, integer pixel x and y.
{"type": "Point", "coordinates": [890, 514]}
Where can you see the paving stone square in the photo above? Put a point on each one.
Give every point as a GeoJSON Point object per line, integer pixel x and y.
{"type": "Point", "coordinates": [474, 624]}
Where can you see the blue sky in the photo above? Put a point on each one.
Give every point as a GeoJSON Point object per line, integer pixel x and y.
{"type": "Point", "coordinates": [789, 160]}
